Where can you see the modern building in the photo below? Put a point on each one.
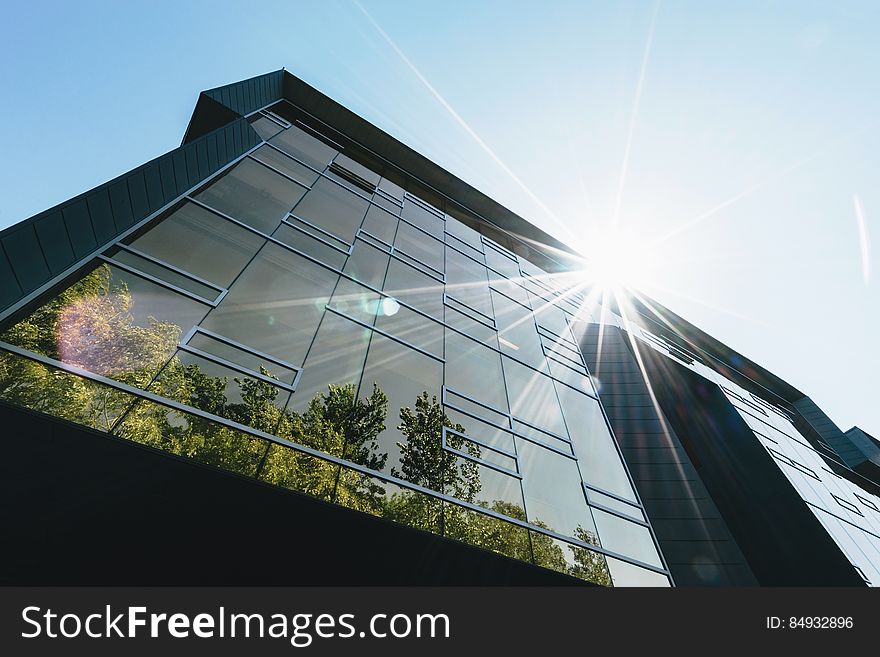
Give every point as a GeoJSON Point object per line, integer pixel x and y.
{"type": "Point", "coordinates": [295, 351]}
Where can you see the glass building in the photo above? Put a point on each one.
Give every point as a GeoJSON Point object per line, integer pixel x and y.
{"type": "Point", "coordinates": [294, 297]}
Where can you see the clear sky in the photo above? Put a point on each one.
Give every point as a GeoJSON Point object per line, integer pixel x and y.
{"type": "Point", "coordinates": [738, 144]}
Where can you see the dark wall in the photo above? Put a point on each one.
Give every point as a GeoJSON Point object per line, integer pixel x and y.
{"type": "Point", "coordinates": [783, 541]}
{"type": "Point", "coordinates": [81, 507]}
{"type": "Point", "coordinates": [694, 537]}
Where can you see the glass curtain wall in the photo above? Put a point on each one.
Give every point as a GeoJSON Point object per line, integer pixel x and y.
{"type": "Point", "coordinates": [305, 321]}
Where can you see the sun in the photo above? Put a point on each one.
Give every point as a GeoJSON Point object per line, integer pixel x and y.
{"type": "Point", "coordinates": [617, 260]}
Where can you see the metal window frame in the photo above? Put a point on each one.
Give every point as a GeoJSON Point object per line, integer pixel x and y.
{"type": "Point", "coordinates": [388, 335]}
{"type": "Point", "coordinates": [272, 115]}
{"type": "Point", "coordinates": [356, 180]}
{"type": "Point", "coordinates": [281, 173]}
{"type": "Point", "coordinates": [161, 283]}
{"type": "Point", "coordinates": [408, 196]}
{"type": "Point", "coordinates": [846, 504]}
{"type": "Point", "coordinates": [481, 318]}
{"type": "Point", "coordinates": [494, 466]}
{"type": "Point", "coordinates": [868, 503]}
{"type": "Point", "coordinates": [185, 346]}
{"type": "Point", "coordinates": [286, 221]}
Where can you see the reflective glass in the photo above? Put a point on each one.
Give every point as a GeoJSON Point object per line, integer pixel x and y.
{"type": "Point", "coordinates": [253, 194]}
{"type": "Point", "coordinates": [484, 433]}
{"type": "Point", "coordinates": [163, 273]}
{"type": "Point", "coordinates": [627, 574]}
{"type": "Point", "coordinates": [485, 531]}
{"type": "Point", "coordinates": [570, 559]}
{"type": "Point", "coordinates": [49, 390]}
{"type": "Point", "coordinates": [362, 492]}
{"type": "Point", "coordinates": [412, 434]}
{"type": "Point", "coordinates": [410, 326]}
{"type": "Point", "coordinates": [275, 305]}
{"type": "Point", "coordinates": [517, 333]}
{"type": "Point", "coordinates": [615, 504]}
{"type": "Point", "coordinates": [296, 170]}
{"type": "Point", "coordinates": [306, 239]}
{"type": "Point", "coordinates": [110, 322]}
{"type": "Point", "coordinates": [626, 538]}
{"type": "Point", "coordinates": [474, 370]}
{"type": "Point", "coordinates": [357, 168]}
{"type": "Point", "coordinates": [470, 323]}
{"type": "Point", "coordinates": [501, 263]}
{"type": "Point", "coordinates": [221, 390]}
{"type": "Point", "coordinates": [420, 246]}
{"type": "Point", "coordinates": [367, 264]}
{"type": "Point", "coordinates": [532, 397]}
{"type": "Point", "coordinates": [334, 208]}
{"type": "Point", "coordinates": [393, 190]}
{"type": "Point", "coordinates": [300, 472]}
{"type": "Point", "coordinates": [554, 496]}
{"type": "Point", "coordinates": [191, 436]}
{"type": "Point", "coordinates": [336, 357]}
{"type": "Point", "coordinates": [484, 486]}
{"type": "Point", "coordinates": [414, 288]}
{"type": "Point", "coordinates": [202, 243]}
{"type": "Point", "coordinates": [304, 147]}
{"type": "Point", "coordinates": [468, 281]}
{"type": "Point", "coordinates": [380, 224]}
{"type": "Point", "coordinates": [423, 218]}
{"type": "Point", "coordinates": [266, 128]}
{"type": "Point", "coordinates": [600, 462]}
{"type": "Point", "coordinates": [467, 235]}
{"type": "Point", "coordinates": [356, 301]}
{"type": "Point", "coordinates": [239, 356]}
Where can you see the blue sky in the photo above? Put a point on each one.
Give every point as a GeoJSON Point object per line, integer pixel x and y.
{"type": "Point", "coordinates": [732, 142]}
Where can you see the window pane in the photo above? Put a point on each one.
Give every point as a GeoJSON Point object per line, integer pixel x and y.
{"type": "Point", "coordinates": [275, 305]}
{"type": "Point", "coordinates": [627, 538]}
{"type": "Point", "coordinates": [266, 128]}
{"type": "Point", "coordinates": [357, 168]}
{"type": "Point", "coordinates": [483, 432]}
{"type": "Point", "coordinates": [333, 208]}
{"type": "Point", "coordinates": [26, 383]}
{"type": "Point", "coordinates": [303, 473]}
{"type": "Point", "coordinates": [553, 492]}
{"type": "Point", "coordinates": [357, 490]}
{"type": "Point", "coordinates": [532, 397]}
{"type": "Point", "coordinates": [367, 264]}
{"type": "Point", "coordinates": [356, 301]}
{"type": "Point", "coordinates": [468, 282]}
{"type": "Point", "coordinates": [484, 486]}
{"type": "Point", "coordinates": [464, 233]}
{"type": "Point", "coordinates": [201, 243]}
{"type": "Point", "coordinates": [253, 194]}
{"type": "Point", "coordinates": [380, 224]}
{"type": "Point", "coordinates": [501, 263]}
{"type": "Point", "coordinates": [424, 219]}
{"type": "Point", "coordinates": [165, 274]}
{"type": "Point", "coordinates": [191, 436]}
{"type": "Point", "coordinates": [336, 358]}
{"type": "Point", "coordinates": [112, 323]}
{"type": "Point", "coordinates": [627, 574]}
{"type": "Point", "coordinates": [420, 246]}
{"type": "Point", "coordinates": [404, 375]}
{"type": "Point", "coordinates": [304, 147]}
{"type": "Point", "coordinates": [246, 359]}
{"type": "Point", "coordinates": [485, 531]}
{"type": "Point", "coordinates": [415, 288]}
{"type": "Point", "coordinates": [517, 333]}
{"type": "Point", "coordinates": [221, 390]}
{"type": "Point", "coordinates": [410, 326]}
{"type": "Point", "coordinates": [307, 240]}
{"type": "Point", "coordinates": [613, 503]}
{"type": "Point", "coordinates": [474, 370]}
{"type": "Point", "coordinates": [570, 559]}
{"type": "Point", "coordinates": [600, 462]}
{"type": "Point", "coordinates": [291, 167]}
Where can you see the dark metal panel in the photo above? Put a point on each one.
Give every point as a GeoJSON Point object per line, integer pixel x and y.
{"type": "Point", "coordinates": [10, 291]}
{"type": "Point", "coordinates": [102, 215]}
{"type": "Point", "coordinates": [53, 238]}
{"type": "Point", "coordinates": [153, 180]}
{"type": "Point", "coordinates": [120, 203]}
{"type": "Point", "coordinates": [213, 158]}
{"type": "Point", "coordinates": [181, 178]}
{"type": "Point", "coordinates": [192, 165]}
{"type": "Point", "coordinates": [137, 192]}
{"type": "Point", "coordinates": [202, 168]}
{"type": "Point", "coordinates": [26, 256]}
{"type": "Point", "coordinates": [166, 177]}
{"type": "Point", "coordinates": [79, 227]}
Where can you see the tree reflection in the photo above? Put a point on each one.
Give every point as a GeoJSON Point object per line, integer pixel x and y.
{"type": "Point", "coordinates": [90, 325]}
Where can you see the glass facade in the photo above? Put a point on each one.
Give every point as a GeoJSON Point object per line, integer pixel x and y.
{"type": "Point", "coordinates": [303, 320]}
